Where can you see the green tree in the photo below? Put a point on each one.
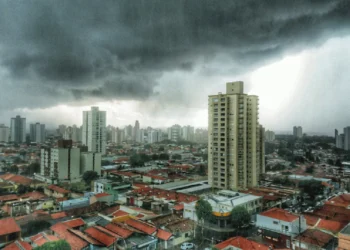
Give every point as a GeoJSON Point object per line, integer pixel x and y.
{"type": "Point", "coordinates": [311, 187]}
{"type": "Point", "coordinates": [144, 158]}
{"type": "Point", "coordinates": [37, 226]}
{"type": "Point", "coordinates": [79, 187]}
{"type": "Point", "coordinates": [155, 157]}
{"type": "Point", "coordinates": [240, 217]}
{"type": "Point", "coordinates": [33, 168]}
{"type": "Point", "coordinates": [14, 169]}
{"type": "Point", "coordinates": [204, 210]}
{"type": "Point", "coordinates": [55, 245]}
{"type": "Point", "coordinates": [338, 163]}
{"type": "Point", "coordinates": [330, 162]}
{"type": "Point", "coordinates": [21, 189]}
{"type": "Point", "coordinates": [89, 176]}
{"type": "Point", "coordinates": [205, 157]}
{"type": "Point", "coordinates": [202, 170]}
{"type": "Point", "coordinates": [164, 157]}
{"type": "Point", "coordinates": [105, 163]}
{"type": "Point", "coordinates": [176, 157]}
{"type": "Point", "coordinates": [310, 169]}
{"type": "Point", "coordinates": [161, 148]}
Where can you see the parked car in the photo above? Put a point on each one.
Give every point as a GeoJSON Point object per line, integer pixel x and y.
{"type": "Point", "coordinates": [187, 245]}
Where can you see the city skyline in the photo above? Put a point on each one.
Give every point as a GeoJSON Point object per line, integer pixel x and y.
{"type": "Point", "coordinates": [296, 62]}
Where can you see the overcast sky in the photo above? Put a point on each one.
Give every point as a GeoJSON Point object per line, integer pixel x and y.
{"type": "Point", "coordinates": [157, 61]}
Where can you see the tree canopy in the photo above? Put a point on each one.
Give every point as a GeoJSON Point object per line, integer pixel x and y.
{"type": "Point", "coordinates": [204, 210]}
{"type": "Point", "coordinates": [89, 176]}
{"type": "Point", "coordinates": [55, 245]}
{"type": "Point", "coordinates": [240, 216]}
{"type": "Point", "coordinates": [311, 187]}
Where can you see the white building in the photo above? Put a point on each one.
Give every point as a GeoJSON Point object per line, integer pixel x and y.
{"type": "Point", "coordinates": [269, 136]}
{"type": "Point", "coordinates": [136, 132]}
{"type": "Point", "coordinates": [90, 161]}
{"type": "Point", "coordinates": [37, 132]}
{"type": "Point", "coordinates": [94, 130]}
{"type": "Point", "coordinates": [187, 133]}
{"type": "Point", "coordinates": [236, 139]}
{"type": "Point", "coordinates": [18, 129]}
{"type": "Point", "coordinates": [4, 133]}
{"type": "Point", "coordinates": [339, 141]}
{"type": "Point", "coordinates": [154, 135]}
{"type": "Point", "coordinates": [201, 135]}
{"type": "Point", "coordinates": [298, 131]}
{"type": "Point", "coordinates": [347, 138]}
{"type": "Point", "coordinates": [174, 132]}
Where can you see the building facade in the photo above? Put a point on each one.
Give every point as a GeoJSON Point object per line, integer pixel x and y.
{"type": "Point", "coordinates": [136, 132]}
{"type": "Point", "coordinates": [347, 138]}
{"type": "Point", "coordinates": [235, 157]}
{"type": "Point", "coordinates": [94, 130]}
{"type": "Point", "coordinates": [4, 133]}
{"type": "Point", "coordinates": [37, 132]}
{"type": "Point", "coordinates": [188, 133]}
{"type": "Point", "coordinates": [90, 161]}
{"type": "Point", "coordinates": [298, 131]}
{"type": "Point", "coordinates": [269, 136]}
{"type": "Point", "coordinates": [174, 132]}
{"type": "Point", "coordinates": [18, 129]}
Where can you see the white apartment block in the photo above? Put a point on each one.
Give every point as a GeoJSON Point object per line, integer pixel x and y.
{"type": "Point", "coordinates": [136, 132]}
{"type": "Point", "coordinates": [298, 131]}
{"type": "Point", "coordinates": [154, 135]}
{"type": "Point", "coordinates": [347, 138]}
{"type": "Point", "coordinates": [187, 133]}
{"type": "Point", "coordinates": [37, 132]}
{"type": "Point", "coordinates": [4, 133]}
{"type": "Point", "coordinates": [61, 164]}
{"type": "Point", "coordinates": [235, 139]}
{"type": "Point", "coordinates": [270, 136]}
{"type": "Point", "coordinates": [18, 129]}
{"type": "Point", "coordinates": [174, 132]}
{"type": "Point", "coordinates": [90, 161]}
{"type": "Point", "coordinates": [94, 130]}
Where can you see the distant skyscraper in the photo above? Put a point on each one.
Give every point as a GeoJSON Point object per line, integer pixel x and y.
{"type": "Point", "coordinates": [335, 133]}
{"type": "Point", "coordinates": [339, 142]}
{"type": "Point", "coordinates": [174, 132]}
{"type": "Point", "coordinates": [347, 138]}
{"type": "Point", "coordinates": [235, 146]}
{"type": "Point", "coordinates": [187, 133]}
{"type": "Point", "coordinates": [37, 132]}
{"type": "Point", "coordinates": [4, 133]}
{"type": "Point", "coordinates": [18, 129]}
{"type": "Point", "coordinates": [94, 130]}
{"type": "Point", "coordinates": [136, 132]}
{"type": "Point", "coordinates": [269, 136]}
{"type": "Point", "coordinates": [154, 135]}
{"type": "Point", "coordinates": [298, 131]}
{"type": "Point", "coordinates": [201, 135]}
{"type": "Point", "coordinates": [61, 129]}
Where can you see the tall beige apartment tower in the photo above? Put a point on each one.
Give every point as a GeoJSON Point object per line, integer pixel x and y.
{"type": "Point", "coordinates": [235, 139]}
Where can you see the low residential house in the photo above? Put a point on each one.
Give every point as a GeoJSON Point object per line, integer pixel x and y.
{"type": "Point", "coordinates": [155, 179]}
{"type": "Point", "coordinates": [110, 187]}
{"type": "Point", "coordinates": [241, 243]}
{"type": "Point", "coordinates": [74, 203]}
{"type": "Point", "coordinates": [6, 187]}
{"type": "Point", "coordinates": [56, 191]}
{"type": "Point", "coordinates": [9, 231]}
{"type": "Point", "coordinates": [102, 197]}
{"type": "Point", "coordinates": [42, 238]}
{"type": "Point", "coordinates": [344, 238]}
{"type": "Point", "coordinates": [126, 175]}
{"type": "Point", "coordinates": [314, 239]}
{"type": "Point", "coordinates": [8, 198]}
{"type": "Point", "coordinates": [280, 227]}
{"type": "Point", "coordinates": [18, 245]}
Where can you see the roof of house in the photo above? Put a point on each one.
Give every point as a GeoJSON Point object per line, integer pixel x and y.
{"type": "Point", "coordinates": [103, 237]}
{"type": "Point", "coordinates": [8, 225]}
{"type": "Point", "coordinates": [58, 189]}
{"type": "Point", "coordinates": [314, 237]}
{"type": "Point", "coordinates": [63, 233]}
{"type": "Point", "coordinates": [340, 201]}
{"type": "Point", "coordinates": [99, 195]}
{"type": "Point", "coordinates": [242, 243]}
{"type": "Point", "coordinates": [41, 238]}
{"type": "Point", "coordinates": [8, 197]}
{"type": "Point", "coordinates": [18, 179]}
{"type": "Point", "coordinates": [120, 213]}
{"type": "Point", "coordinates": [142, 226]}
{"type": "Point", "coordinates": [330, 225]}
{"type": "Point", "coordinates": [280, 214]}
{"type": "Point", "coordinates": [58, 215]}
{"type": "Point", "coordinates": [74, 223]}
{"type": "Point", "coordinates": [311, 220]}
{"type": "Point", "coordinates": [110, 210]}
{"type": "Point", "coordinates": [34, 195]}
{"type": "Point", "coordinates": [179, 207]}
{"type": "Point", "coordinates": [18, 245]}
{"type": "Point", "coordinates": [123, 232]}
{"type": "Point", "coordinates": [163, 235]}
{"type": "Point", "coordinates": [85, 237]}
{"type": "Point", "coordinates": [183, 225]}
{"type": "Point", "coordinates": [156, 177]}
{"type": "Point", "coordinates": [166, 194]}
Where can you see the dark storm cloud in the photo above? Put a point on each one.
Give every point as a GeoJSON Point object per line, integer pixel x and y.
{"type": "Point", "coordinates": [119, 49]}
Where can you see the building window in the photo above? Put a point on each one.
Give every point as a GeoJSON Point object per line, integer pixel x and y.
{"type": "Point", "coordinates": [275, 222]}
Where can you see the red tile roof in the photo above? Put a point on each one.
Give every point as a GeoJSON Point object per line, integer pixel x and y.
{"type": "Point", "coordinates": [102, 237]}
{"type": "Point", "coordinates": [340, 201]}
{"type": "Point", "coordinates": [310, 219]}
{"type": "Point", "coordinates": [110, 210]}
{"type": "Point", "coordinates": [142, 226]}
{"type": "Point", "coordinates": [18, 245]}
{"type": "Point", "coordinates": [166, 194]}
{"type": "Point", "coordinates": [58, 215]}
{"type": "Point", "coordinates": [139, 185]}
{"type": "Point", "coordinates": [280, 214]}
{"type": "Point", "coordinates": [8, 226]}
{"type": "Point", "coordinates": [163, 235]}
{"type": "Point", "coordinates": [122, 173]}
{"type": "Point", "coordinates": [123, 232]}
{"type": "Point", "coordinates": [156, 177]}
{"type": "Point", "coordinates": [85, 237]}
{"type": "Point", "coordinates": [242, 243]}
{"type": "Point", "coordinates": [61, 230]}
{"type": "Point", "coordinates": [74, 223]}
{"type": "Point", "coordinates": [34, 195]}
{"type": "Point", "coordinates": [9, 197]}
{"type": "Point", "coordinates": [41, 238]}
{"type": "Point", "coordinates": [179, 207]}
{"type": "Point", "coordinates": [61, 199]}
{"type": "Point", "coordinates": [18, 179]}
{"type": "Point", "coordinates": [58, 189]}
{"type": "Point", "coordinates": [101, 195]}
{"type": "Point", "coordinates": [120, 213]}
{"type": "Point", "coordinates": [330, 225]}
{"type": "Point", "coordinates": [314, 237]}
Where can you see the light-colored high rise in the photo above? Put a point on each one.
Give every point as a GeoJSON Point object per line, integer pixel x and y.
{"type": "Point", "coordinates": [201, 135]}
{"type": "Point", "coordinates": [37, 132]}
{"type": "Point", "coordinates": [4, 133]}
{"type": "Point", "coordinates": [298, 131]}
{"type": "Point", "coordinates": [136, 132]}
{"type": "Point", "coordinates": [174, 132]}
{"type": "Point", "coordinates": [187, 133]}
{"type": "Point", "coordinates": [94, 130]}
{"type": "Point", "coordinates": [154, 135]}
{"type": "Point", "coordinates": [347, 138]}
{"type": "Point", "coordinates": [269, 136]}
{"type": "Point", "coordinates": [339, 141]}
{"type": "Point", "coordinates": [18, 129]}
{"type": "Point", "coordinates": [235, 139]}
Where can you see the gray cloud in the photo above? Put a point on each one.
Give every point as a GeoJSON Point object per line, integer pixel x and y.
{"type": "Point", "coordinates": [74, 50]}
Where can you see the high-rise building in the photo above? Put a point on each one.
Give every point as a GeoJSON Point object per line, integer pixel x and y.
{"type": "Point", "coordinates": [335, 133]}
{"type": "Point", "coordinates": [339, 141]}
{"type": "Point", "coordinates": [94, 130]}
{"type": "Point", "coordinates": [187, 133]}
{"type": "Point", "coordinates": [298, 131]}
{"type": "Point", "coordinates": [201, 135]}
{"type": "Point", "coordinates": [235, 145]}
{"type": "Point", "coordinates": [136, 132]}
{"type": "Point", "coordinates": [18, 129]}
{"type": "Point", "coordinates": [347, 138]}
{"type": "Point", "coordinates": [269, 136]}
{"type": "Point", "coordinates": [174, 132]}
{"type": "Point", "coordinates": [154, 135]}
{"type": "Point", "coordinates": [37, 132]}
{"type": "Point", "coordinates": [4, 133]}
{"type": "Point", "coordinates": [61, 129]}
